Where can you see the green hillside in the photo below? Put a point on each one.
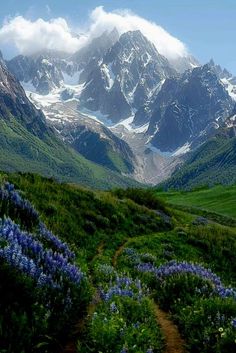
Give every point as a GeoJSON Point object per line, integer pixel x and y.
{"type": "Point", "coordinates": [153, 276]}
{"type": "Point", "coordinates": [220, 199]}
{"type": "Point", "coordinates": [21, 150]}
{"type": "Point", "coordinates": [212, 163]}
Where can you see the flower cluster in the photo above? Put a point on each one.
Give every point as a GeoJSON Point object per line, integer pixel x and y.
{"type": "Point", "coordinates": [136, 258]}
{"type": "Point", "coordinates": [233, 323]}
{"type": "Point", "coordinates": [123, 287]}
{"type": "Point", "coordinates": [8, 193]}
{"type": "Point", "coordinates": [106, 269]}
{"type": "Point", "coordinates": [133, 256]}
{"type": "Point", "coordinates": [45, 234]}
{"type": "Point", "coordinates": [176, 268]}
{"type": "Point", "coordinates": [24, 252]}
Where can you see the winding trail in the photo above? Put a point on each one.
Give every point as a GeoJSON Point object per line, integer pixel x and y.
{"type": "Point", "coordinates": [81, 324]}
{"type": "Point", "coordinates": [118, 253]}
{"type": "Point", "coordinates": [173, 340]}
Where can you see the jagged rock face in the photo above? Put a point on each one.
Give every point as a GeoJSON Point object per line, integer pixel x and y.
{"type": "Point", "coordinates": [130, 72]}
{"type": "Point", "coordinates": [46, 71]}
{"type": "Point", "coordinates": [181, 64]}
{"type": "Point", "coordinates": [14, 102]}
{"type": "Point", "coordinates": [98, 97]}
{"type": "Point", "coordinates": [123, 77]}
{"type": "Point", "coordinates": [228, 80]}
{"type": "Point", "coordinates": [88, 57]}
{"type": "Point", "coordinates": [43, 71]}
{"type": "Point", "coordinates": [186, 107]}
{"type": "Point", "coordinates": [137, 66]}
{"type": "Point", "coordinates": [97, 143]}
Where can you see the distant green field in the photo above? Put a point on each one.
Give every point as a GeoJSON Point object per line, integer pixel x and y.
{"type": "Point", "coordinates": [220, 199]}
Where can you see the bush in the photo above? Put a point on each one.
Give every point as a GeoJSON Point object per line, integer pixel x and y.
{"type": "Point", "coordinates": [144, 197]}
{"type": "Point", "coordinates": [209, 325]}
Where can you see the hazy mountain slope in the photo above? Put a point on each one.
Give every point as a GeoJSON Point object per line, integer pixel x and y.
{"type": "Point", "coordinates": [96, 143]}
{"type": "Point", "coordinates": [128, 74]}
{"type": "Point", "coordinates": [27, 144]}
{"type": "Point", "coordinates": [213, 162]}
{"type": "Point", "coordinates": [188, 107]}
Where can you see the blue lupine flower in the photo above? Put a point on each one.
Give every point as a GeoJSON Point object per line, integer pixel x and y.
{"type": "Point", "coordinates": [124, 350]}
{"type": "Point", "coordinates": [24, 252]}
{"type": "Point", "coordinates": [175, 268]}
{"type": "Point", "coordinates": [44, 233]}
{"type": "Point", "coordinates": [233, 323]}
{"type": "Point", "coordinates": [123, 287]}
{"type": "Point", "coordinates": [8, 193]}
{"type": "Point", "coordinates": [136, 325]}
{"type": "Point", "coordinates": [113, 308]}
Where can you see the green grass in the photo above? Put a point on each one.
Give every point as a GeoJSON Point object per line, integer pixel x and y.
{"type": "Point", "coordinates": [214, 162]}
{"type": "Point", "coordinates": [22, 151]}
{"type": "Point", "coordinates": [83, 217]}
{"type": "Point", "coordinates": [219, 199]}
{"type": "Point", "coordinates": [99, 225]}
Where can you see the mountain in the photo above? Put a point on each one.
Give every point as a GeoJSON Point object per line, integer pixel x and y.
{"type": "Point", "coordinates": [213, 162]}
{"type": "Point", "coordinates": [86, 135]}
{"type": "Point", "coordinates": [88, 57]}
{"type": "Point", "coordinates": [183, 63]}
{"type": "Point", "coordinates": [28, 144]}
{"type": "Point", "coordinates": [121, 104]}
{"type": "Point", "coordinates": [129, 73]}
{"type": "Point", "coordinates": [228, 80]}
{"type": "Point", "coordinates": [186, 108]}
{"type": "Point", "coordinates": [42, 72]}
{"type": "Point", "coordinates": [46, 71]}
{"type": "Point", "coordinates": [96, 143]}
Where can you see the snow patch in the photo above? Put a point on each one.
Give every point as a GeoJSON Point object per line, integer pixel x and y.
{"type": "Point", "coordinates": [46, 62]}
{"type": "Point", "coordinates": [178, 152]}
{"type": "Point", "coordinates": [109, 75]}
{"type": "Point", "coordinates": [28, 86]}
{"type": "Point", "coordinates": [44, 101]}
{"type": "Point", "coordinates": [156, 150]}
{"type": "Point", "coordinates": [147, 59]}
{"type": "Point", "coordinates": [71, 80]}
{"type": "Point", "coordinates": [128, 125]}
{"type": "Point", "coordinates": [97, 116]}
{"type": "Point", "coordinates": [182, 150]}
{"type": "Point", "coordinates": [229, 87]}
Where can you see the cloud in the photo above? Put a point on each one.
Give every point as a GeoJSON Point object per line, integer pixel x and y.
{"type": "Point", "coordinates": [125, 20]}
{"type": "Point", "coordinates": [33, 36]}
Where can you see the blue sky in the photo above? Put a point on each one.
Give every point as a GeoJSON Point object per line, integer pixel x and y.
{"type": "Point", "coordinates": [207, 27]}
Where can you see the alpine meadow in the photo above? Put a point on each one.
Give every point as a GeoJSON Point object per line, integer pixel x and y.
{"type": "Point", "coordinates": [117, 177]}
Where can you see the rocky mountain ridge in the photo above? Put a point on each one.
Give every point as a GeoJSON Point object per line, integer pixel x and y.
{"type": "Point", "coordinates": [160, 109]}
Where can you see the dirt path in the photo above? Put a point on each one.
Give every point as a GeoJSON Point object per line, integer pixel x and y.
{"type": "Point", "coordinates": [99, 251]}
{"type": "Point", "coordinates": [80, 326]}
{"type": "Point", "coordinates": [174, 342]}
{"type": "Point", "coordinates": [117, 253]}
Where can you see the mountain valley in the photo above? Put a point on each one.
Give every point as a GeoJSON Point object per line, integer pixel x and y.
{"type": "Point", "coordinates": [121, 104]}
{"type": "Point", "coordinates": [117, 177]}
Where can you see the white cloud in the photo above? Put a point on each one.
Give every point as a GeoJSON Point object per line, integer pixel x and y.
{"type": "Point", "coordinates": [125, 20]}
{"type": "Point", "coordinates": [32, 36]}
{"type": "Point", "coordinates": [29, 37]}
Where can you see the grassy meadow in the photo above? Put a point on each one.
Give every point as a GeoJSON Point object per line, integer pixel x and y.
{"type": "Point", "coordinates": [129, 271]}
